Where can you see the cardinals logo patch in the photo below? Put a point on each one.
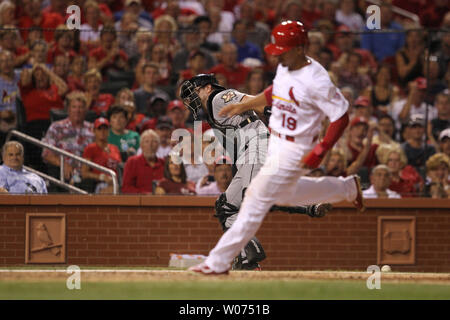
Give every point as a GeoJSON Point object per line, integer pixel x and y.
{"type": "Point", "coordinates": [291, 95]}
{"type": "Point", "coordinates": [227, 97]}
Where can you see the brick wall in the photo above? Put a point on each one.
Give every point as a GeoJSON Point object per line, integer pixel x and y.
{"type": "Point", "coordinates": [143, 231]}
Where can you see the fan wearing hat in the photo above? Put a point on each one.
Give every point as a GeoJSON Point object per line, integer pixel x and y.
{"type": "Point", "coordinates": [414, 103]}
{"type": "Point", "coordinates": [164, 128]}
{"type": "Point", "coordinates": [414, 148]}
{"type": "Point", "coordinates": [362, 108]}
{"type": "Point", "coordinates": [135, 7]}
{"type": "Point", "coordinates": [178, 113]}
{"type": "Point", "coordinates": [102, 153]}
{"type": "Point", "coordinates": [223, 174]}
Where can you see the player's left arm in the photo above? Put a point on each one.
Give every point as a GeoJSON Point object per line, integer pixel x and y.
{"type": "Point", "coordinates": [331, 101]}
{"type": "Point", "coordinates": [256, 103]}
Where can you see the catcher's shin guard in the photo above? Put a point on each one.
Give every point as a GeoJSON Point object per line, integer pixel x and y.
{"type": "Point", "coordinates": [224, 210]}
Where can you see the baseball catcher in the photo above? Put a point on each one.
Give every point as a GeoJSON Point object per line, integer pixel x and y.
{"type": "Point", "coordinates": [244, 137]}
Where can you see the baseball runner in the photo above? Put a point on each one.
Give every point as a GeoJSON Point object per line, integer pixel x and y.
{"type": "Point", "coordinates": [301, 96]}
{"type": "Point", "coordinates": [244, 137]}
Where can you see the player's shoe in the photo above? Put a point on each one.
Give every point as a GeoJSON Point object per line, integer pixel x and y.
{"type": "Point", "coordinates": [319, 210]}
{"type": "Point", "coordinates": [359, 201]}
{"type": "Point", "coordinates": [204, 269]}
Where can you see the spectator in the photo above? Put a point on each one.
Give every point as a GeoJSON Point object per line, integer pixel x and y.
{"type": "Point", "coordinates": [97, 102]}
{"type": "Point", "coordinates": [258, 32]}
{"type": "Point", "coordinates": [149, 79]}
{"type": "Point", "coordinates": [222, 22]}
{"type": "Point", "coordinates": [415, 150]}
{"type": "Point", "coordinates": [223, 174]}
{"type": "Point", "coordinates": [191, 46]}
{"type": "Point", "coordinates": [386, 132]}
{"type": "Point", "coordinates": [108, 56]}
{"type": "Point", "coordinates": [434, 13]}
{"type": "Point", "coordinates": [350, 75]}
{"type": "Point", "coordinates": [141, 170]}
{"type": "Point", "coordinates": [383, 93]}
{"type": "Point", "coordinates": [175, 179]}
{"type": "Point", "coordinates": [380, 180]}
{"type": "Point", "coordinates": [345, 45]}
{"type": "Point", "coordinates": [24, 52]}
{"type": "Point", "coordinates": [77, 69]}
{"type": "Point", "coordinates": [192, 159]}
{"type": "Point", "coordinates": [126, 28]}
{"type": "Point", "coordinates": [245, 48]}
{"type": "Point", "coordinates": [144, 43]}
{"type": "Point", "coordinates": [165, 29]}
{"type": "Point", "coordinates": [203, 25]}
{"type": "Point", "coordinates": [384, 45]}
{"type": "Point", "coordinates": [145, 20]}
{"type": "Point", "coordinates": [63, 45]}
{"type": "Point", "coordinates": [104, 154]}
{"type": "Point", "coordinates": [178, 113]}
{"type": "Point", "coordinates": [443, 54]}
{"type": "Point", "coordinates": [328, 10]}
{"type": "Point", "coordinates": [161, 58]}
{"type": "Point", "coordinates": [444, 142]}
{"type": "Point", "coordinates": [438, 168]}
{"type": "Point", "coordinates": [255, 82]}
{"type": "Point", "coordinates": [72, 134]}
{"type": "Point", "coordinates": [335, 164]}
{"type": "Point", "coordinates": [405, 180]}
{"type": "Point", "coordinates": [90, 30]}
{"type": "Point", "coordinates": [196, 65]}
{"type": "Point", "coordinates": [61, 66]}
{"type": "Point", "coordinates": [126, 140]}
{"type": "Point", "coordinates": [125, 98]}
{"type": "Point", "coordinates": [346, 15]}
{"type": "Point", "coordinates": [325, 58]}
{"type": "Point", "coordinates": [9, 40]}
{"type": "Point", "coordinates": [413, 104]}
{"type": "Point", "coordinates": [39, 54]}
{"type": "Point", "coordinates": [442, 121]}
{"type": "Point", "coordinates": [9, 80]}
{"type": "Point", "coordinates": [41, 90]}
{"type": "Point", "coordinates": [7, 13]}
{"type": "Point", "coordinates": [234, 72]}
{"type": "Point", "coordinates": [48, 21]}
{"type": "Point", "coordinates": [435, 84]}
{"type": "Point", "coordinates": [363, 109]}
{"type": "Point", "coordinates": [14, 178]}
{"type": "Point", "coordinates": [164, 128]}
{"type": "Point", "coordinates": [409, 59]}
{"type": "Point", "coordinates": [315, 44]}
{"type": "Point", "coordinates": [362, 151]}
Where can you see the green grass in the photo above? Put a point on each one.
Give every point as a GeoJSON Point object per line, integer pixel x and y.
{"type": "Point", "coordinates": [227, 290]}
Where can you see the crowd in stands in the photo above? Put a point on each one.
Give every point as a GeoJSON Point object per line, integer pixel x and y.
{"type": "Point", "coordinates": [108, 91]}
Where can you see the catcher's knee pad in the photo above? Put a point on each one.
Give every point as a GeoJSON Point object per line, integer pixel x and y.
{"type": "Point", "coordinates": [224, 210]}
{"type": "Point", "coordinates": [254, 251]}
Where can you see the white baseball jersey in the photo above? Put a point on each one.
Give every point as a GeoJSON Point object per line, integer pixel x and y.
{"type": "Point", "coordinates": [302, 98]}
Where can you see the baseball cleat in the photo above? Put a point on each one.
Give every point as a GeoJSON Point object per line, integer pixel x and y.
{"type": "Point", "coordinates": [359, 201]}
{"type": "Point", "coordinates": [205, 270]}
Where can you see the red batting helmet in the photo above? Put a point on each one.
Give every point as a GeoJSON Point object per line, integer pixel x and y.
{"type": "Point", "coordinates": [285, 36]}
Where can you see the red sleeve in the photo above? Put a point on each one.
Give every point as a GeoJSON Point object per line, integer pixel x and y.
{"type": "Point", "coordinates": [268, 94]}
{"type": "Point", "coordinates": [335, 131]}
{"type": "Point", "coordinates": [129, 177]}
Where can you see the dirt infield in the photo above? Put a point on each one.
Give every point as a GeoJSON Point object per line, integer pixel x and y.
{"type": "Point", "coordinates": [142, 275]}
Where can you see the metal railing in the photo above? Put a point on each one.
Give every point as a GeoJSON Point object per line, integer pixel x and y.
{"type": "Point", "coordinates": [399, 11]}
{"type": "Point", "coordinates": [62, 153]}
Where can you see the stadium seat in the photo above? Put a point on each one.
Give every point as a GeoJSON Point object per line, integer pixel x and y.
{"type": "Point", "coordinates": [113, 87]}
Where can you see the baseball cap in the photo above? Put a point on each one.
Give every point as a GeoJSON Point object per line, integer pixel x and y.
{"type": "Point", "coordinates": [416, 119]}
{"type": "Point", "coordinates": [174, 104]}
{"type": "Point", "coordinates": [101, 122]}
{"type": "Point", "coordinates": [444, 134]}
{"type": "Point", "coordinates": [362, 101]}
{"type": "Point", "coordinates": [155, 98]}
{"type": "Point", "coordinates": [421, 82]}
{"type": "Point", "coordinates": [358, 120]}
{"type": "Point", "coordinates": [164, 122]}
{"type": "Point", "coordinates": [286, 36]}
{"type": "Point", "coordinates": [195, 53]}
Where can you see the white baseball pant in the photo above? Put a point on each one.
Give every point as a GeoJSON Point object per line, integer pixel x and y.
{"type": "Point", "coordinates": [279, 181]}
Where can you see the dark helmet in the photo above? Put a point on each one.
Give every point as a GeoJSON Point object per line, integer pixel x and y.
{"type": "Point", "coordinates": [189, 95]}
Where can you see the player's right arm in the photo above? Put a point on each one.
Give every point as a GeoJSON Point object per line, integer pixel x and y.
{"type": "Point", "coordinates": [255, 103]}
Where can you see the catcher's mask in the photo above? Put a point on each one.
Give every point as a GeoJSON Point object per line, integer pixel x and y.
{"type": "Point", "coordinates": [189, 89]}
